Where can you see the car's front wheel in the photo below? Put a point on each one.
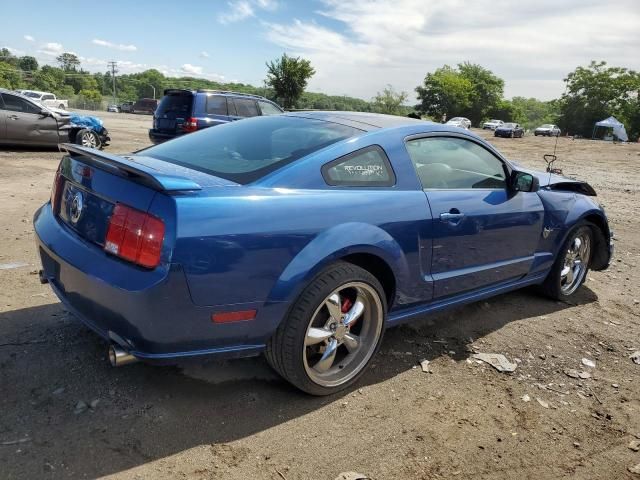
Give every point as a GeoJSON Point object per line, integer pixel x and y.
{"type": "Point", "coordinates": [88, 138]}
{"type": "Point", "coordinates": [332, 331]}
{"type": "Point", "coordinates": [572, 264]}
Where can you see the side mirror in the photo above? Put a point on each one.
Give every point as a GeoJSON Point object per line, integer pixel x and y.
{"type": "Point", "coordinates": [45, 113]}
{"type": "Point", "coordinates": [524, 182]}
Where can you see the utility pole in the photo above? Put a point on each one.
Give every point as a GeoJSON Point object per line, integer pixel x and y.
{"type": "Point", "coordinates": [113, 66]}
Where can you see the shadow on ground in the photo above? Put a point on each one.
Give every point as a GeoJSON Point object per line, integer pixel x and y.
{"type": "Point", "coordinates": [49, 362]}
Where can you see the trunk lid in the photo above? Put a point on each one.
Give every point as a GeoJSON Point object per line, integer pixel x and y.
{"type": "Point", "coordinates": [91, 183]}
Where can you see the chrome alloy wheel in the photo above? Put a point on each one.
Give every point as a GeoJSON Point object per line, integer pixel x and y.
{"type": "Point", "coordinates": [343, 334]}
{"type": "Point", "coordinates": [576, 262]}
{"type": "Point", "coordinates": [89, 139]}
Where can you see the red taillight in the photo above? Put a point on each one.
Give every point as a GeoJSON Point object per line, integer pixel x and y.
{"type": "Point", "coordinates": [190, 125]}
{"type": "Point", "coordinates": [135, 236]}
{"type": "Point", "coordinates": [56, 192]}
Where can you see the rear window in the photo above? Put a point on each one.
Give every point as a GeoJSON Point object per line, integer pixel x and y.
{"type": "Point", "coordinates": [246, 151]}
{"type": "Point", "coordinates": [175, 105]}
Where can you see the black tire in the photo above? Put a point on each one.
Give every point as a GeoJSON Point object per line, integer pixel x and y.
{"type": "Point", "coordinates": [286, 349]}
{"type": "Point", "coordinates": [88, 138]}
{"type": "Point", "coordinates": [552, 285]}
{"type": "Point", "coordinates": [61, 107]}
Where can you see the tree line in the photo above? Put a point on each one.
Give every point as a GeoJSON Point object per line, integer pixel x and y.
{"type": "Point", "coordinates": [593, 92]}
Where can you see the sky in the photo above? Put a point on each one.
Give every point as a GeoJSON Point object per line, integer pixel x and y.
{"type": "Point", "coordinates": [357, 47]}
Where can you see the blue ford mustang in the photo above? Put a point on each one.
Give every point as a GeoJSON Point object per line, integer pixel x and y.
{"type": "Point", "coordinates": [303, 236]}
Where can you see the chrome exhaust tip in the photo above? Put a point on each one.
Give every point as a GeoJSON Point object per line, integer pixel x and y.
{"type": "Point", "coordinates": [119, 357]}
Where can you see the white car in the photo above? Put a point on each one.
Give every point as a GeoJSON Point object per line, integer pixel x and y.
{"type": "Point", "coordinates": [113, 108]}
{"type": "Point", "coordinates": [492, 124]}
{"type": "Point", "coordinates": [46, 98]}
{"type": "Point", "coordinates": [548, 130]}
{"type": "Point", "coordinates": [461, 122]}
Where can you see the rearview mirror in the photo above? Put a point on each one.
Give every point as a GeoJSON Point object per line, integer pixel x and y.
{"type": "Point", "coordinates": [524, 182]}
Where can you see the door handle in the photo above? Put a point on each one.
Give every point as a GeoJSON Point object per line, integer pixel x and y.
{"type": "Point", "coordinates": [13, 117]}
{"type": "Point", "coordinates": [451, 216]}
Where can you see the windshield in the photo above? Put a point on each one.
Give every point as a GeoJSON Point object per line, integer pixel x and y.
{"type": "Point", "coordinates": [509, 125]}
{"type": "Point", "coordinates": [456, 119]}
{"type": "Point", "coordinates": [546, 125]}
{"type": "Point", "coordinates": [247, 150]}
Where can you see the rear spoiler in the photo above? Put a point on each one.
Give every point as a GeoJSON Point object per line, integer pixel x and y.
{"type": "Point", "coordinates": [136, 171]}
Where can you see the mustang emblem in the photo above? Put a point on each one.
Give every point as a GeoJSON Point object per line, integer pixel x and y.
{"type": "Point", "coordinates": [77, 204]}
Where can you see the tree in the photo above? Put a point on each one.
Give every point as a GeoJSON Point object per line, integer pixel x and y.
{"type": "Point", "coordinates": [390, 101]}
{"type": "Point", "coordinates": [69, 62]}
{"type": "Point", "coordinates": [288, 77]}
{"type": "Point", "coordinates": [28, 64]}
{"type": "Point", "coordinates": [469, 90]}
{"type": "Point", "coordinates": [596, 92]}
{"type": "Point", "coordinates": [487, 90]}
{"type": "Point", "coordinates": [444, 91]}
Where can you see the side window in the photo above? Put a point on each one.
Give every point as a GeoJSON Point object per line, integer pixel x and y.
{"type": "Point", "coordinates": [368, 167]}
{"type": "Point", "coordinates": [47, 97]}
{"type": "Point", "coordinates": [17, 104]}
{"type": "Point", "coordinates": [246, 107]}
{"type": "Point", "coordinates": [455, 163]}
{"type": "Point", "coordinates": [268, 108]}
{"type": "Point", "coordinates": [216, 105]}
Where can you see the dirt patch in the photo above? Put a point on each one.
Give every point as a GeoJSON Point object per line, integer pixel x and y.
{"type": "Point", "coordinates": [238, 420]}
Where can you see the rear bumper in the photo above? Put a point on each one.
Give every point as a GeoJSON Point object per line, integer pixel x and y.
{"type": "Point", "coordinates": [158, 137]}
{"type": "Point", "coordinates": [148, 313]}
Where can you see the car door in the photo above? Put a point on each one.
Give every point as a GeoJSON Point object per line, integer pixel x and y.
{"type": "Point", "coordinates": [26, 124]}
{"type": "Point", "coordinates": [483, 232]}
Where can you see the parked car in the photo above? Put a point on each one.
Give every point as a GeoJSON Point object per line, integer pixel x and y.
{"type": "Point", "coordinates": [185, 111]}
{"type": "Point", "coordinates": [46, 98]}
{"type": "Point", "coordinates": [492, 124]}
{"type": "Point", "coordinates": [304, 236]}
{"type": "Point", "coordinates": [126, 107]}
{"type": "Point", "coordinates": [113, 108]}
{"type": "Point", "coordinates": [145, 105]}
{"type": "Point", "coordinates": [24, 121]}
{"type": "Point", "coordinates": [510, 129]}
{"type": "Point", "coordinates": [460, 122]}
{"type": "Point", "coordinates": [547, 129]}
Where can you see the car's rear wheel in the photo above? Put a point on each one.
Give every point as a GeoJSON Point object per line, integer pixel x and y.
{"type": "Point", "coordinates": [88, 138]}
{"type": "Point", "coordinates": [572, 265]}
{"type": "Point", "coordinates": [332, 331]}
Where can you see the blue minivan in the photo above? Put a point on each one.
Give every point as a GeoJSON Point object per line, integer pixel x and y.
{"type": "Point", "coordinates": [185, 111]}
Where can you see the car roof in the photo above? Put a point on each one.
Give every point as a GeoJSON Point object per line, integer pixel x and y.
{"type": "Point", "coordinates": [226, 93]}
{"type": "Point", "coordinates": [363, 120]}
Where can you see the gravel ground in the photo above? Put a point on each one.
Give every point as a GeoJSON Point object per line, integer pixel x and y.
{"type": "Point", "coordinates": [64, 413]}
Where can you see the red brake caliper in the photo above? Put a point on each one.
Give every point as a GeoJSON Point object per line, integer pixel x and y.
{"type": "Point", "coordinates": [346, 305]}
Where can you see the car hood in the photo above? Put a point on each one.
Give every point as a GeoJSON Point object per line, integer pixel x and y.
{"type": "Point", "coordinates": [553, 181]}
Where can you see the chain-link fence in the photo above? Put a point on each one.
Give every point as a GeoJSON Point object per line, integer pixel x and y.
{"type": "Point", "coordinates": [80, 102]}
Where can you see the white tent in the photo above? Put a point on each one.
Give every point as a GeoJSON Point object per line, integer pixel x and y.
{"type": "Point", "coordinates": [618, 128]}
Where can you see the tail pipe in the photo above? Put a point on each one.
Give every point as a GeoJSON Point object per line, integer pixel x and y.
{"type": "Point", "coordinates": [119, 357]}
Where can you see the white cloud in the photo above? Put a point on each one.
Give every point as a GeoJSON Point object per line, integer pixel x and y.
{"type": "Point", "coordinates": [532, 46]}
{"type": "Point", "coordinates": [29, 38]}
{"type": "Point", "coordinates": [189, 69]}
{"type": "Point", "coordinates": [51, 49]}
{"type": "Point", "coordinates": [204, 54]}
{"type": "Point", "coordinates": [115, 46]}
{"type": "Point", "coordinates": [238, 10]}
